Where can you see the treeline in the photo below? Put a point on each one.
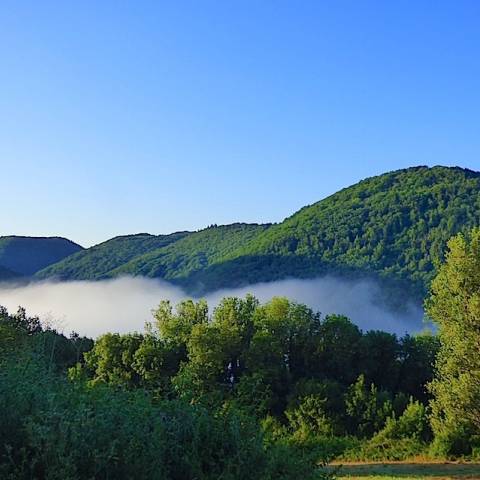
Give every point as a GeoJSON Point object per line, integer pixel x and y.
{"type": "Point", "coordinates": [248, 390]}
{"type": "Point", "coordinates": [270, 360]}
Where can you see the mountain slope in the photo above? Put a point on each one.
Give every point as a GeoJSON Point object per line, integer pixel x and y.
{"type": "Point", "coordinates": [94, 263]}
{"type": "Point", "coordinates": [27, 255]}
{"type": "Point", "coordinates": [6, 274]}
{"type": "Point", "coordinates": [195, 253]}
{"type": "Point", "coordinates": [394, 226]}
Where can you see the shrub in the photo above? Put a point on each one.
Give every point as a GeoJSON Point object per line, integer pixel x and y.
{"type": "Point", "coordinates": [401, 438]}
{"type": "Point", "coordinates": [310, 417]}
{"type": "Point", "coordinates": [453, 441]}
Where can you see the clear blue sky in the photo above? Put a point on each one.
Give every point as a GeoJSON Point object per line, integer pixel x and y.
{"type": "Point", "coordinates": [122, 117]}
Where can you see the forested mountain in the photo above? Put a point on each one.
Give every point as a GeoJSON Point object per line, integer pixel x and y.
{"type": "Point", "coordinates": [96, 262]}
{"type": "Point", "coordinates": [196, 253]}
{"type": "Point", "coordinates": [394, 226]}
{"type": "Point", "coordinates": [165, 256]}
{"type": "Point", "coordinates": [27, 255]}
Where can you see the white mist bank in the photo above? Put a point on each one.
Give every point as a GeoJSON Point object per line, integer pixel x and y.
{"type": "Point", "coordinates": [125, 304]}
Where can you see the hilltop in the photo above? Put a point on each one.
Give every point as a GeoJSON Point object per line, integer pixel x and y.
{"type": "Point", "coordinates": [24, 256]}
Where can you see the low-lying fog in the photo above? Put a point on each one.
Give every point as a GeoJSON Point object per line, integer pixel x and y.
{"type": "Point", "coordinates": [125, 304]}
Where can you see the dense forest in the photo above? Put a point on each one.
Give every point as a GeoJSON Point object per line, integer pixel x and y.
{"type": "Point", "coordinates": [246, 390]}
{"type": "Point", "coordinates": [394, 226]}
{"type": "Point", "coordinates": [95, 263]}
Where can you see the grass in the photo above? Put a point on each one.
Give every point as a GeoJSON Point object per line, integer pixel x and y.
{"type": "Point", "coordinates": [410, 471]}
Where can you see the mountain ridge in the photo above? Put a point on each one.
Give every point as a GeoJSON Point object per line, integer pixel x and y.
{"type": "Point", "coordinates": [392, 226]}
{"type": "Point", "coordinates": [95, 262]}
{"type": "Point", "coordinates": [24, 256]}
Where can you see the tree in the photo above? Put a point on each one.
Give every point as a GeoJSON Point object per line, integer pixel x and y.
{"type": "Point", "coordinates": [417, 363]}
{"type": "Point", "coordinates": [176, 327]}
{"type": "Point", "coordinates": [282, 348]}
{"type": "Point", "coordinates": [215, 350]}
{"type": "Point", "coordinates": [367, 408]}
{"type": "Point", "coordinates": [454, 304]}
{"type": "Point", "coordinates": [112, 359]}
{"type": "Point", "coordinates": [338, 349]}
{"type": "Point", "coordinates": [379, 359]}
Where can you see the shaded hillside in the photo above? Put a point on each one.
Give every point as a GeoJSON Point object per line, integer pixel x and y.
{"type": "Point", "coordinates": [27, 255]}
{"type": "Point", "coordinates": [6, 274]}
{"type": "Point", "coordinates": [95, 262]}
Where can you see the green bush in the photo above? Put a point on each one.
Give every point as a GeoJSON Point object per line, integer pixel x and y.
{"type": "Point", "coordinates": [288, 459]}
{"type": "Point", "coordinates": [53, 429]}
{"type": "Point", "coordinates": [454, 441]}
{"type": "Point", "coordinates": [310, 417]}
{"type": "Point", "coordinates": [401, 438]}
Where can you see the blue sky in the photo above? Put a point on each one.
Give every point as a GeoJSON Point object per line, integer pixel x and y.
{"type": "Point", "coordinates": [122, 117]}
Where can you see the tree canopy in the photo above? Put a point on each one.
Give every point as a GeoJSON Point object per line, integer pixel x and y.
{"type": "Point", "coordinates": [454, 305]}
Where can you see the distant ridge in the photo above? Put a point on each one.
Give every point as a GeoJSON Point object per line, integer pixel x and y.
{"type": "Point", "coordinates": [6, 274]}
{"type": "Point", "coordinates": [27, 255]}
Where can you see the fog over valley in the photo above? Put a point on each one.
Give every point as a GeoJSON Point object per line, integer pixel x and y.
{"type": "Point", "coordinates": [125, 304]}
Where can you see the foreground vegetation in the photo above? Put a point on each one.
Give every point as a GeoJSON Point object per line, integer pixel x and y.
{"type": "Point", "coordinates": [267, 391]}
{"type": "Point", "coordinates": [55, 428]}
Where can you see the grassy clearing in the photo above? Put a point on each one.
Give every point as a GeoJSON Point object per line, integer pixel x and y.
{"type": "Point", "coordinates": [410, 471]}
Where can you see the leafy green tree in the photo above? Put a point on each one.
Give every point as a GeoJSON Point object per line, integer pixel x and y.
{"type": "Point", "coordinates": [175, 327]}
{"type": "Point", "coordinates": [283, 345]}
{"type": "Point", "coordinates": [379, 359]}
{"type": "Point", "coordinates": [327, 392]}
{"type": "Point", "coordinates": [112, 360]}
{"type": "Point", "coordinates": [310, 417]}
{"type": "Point", "coordinates": [253, 394]}
{"type": "Point", "coordinates": [338, 349]}
{"type": "Point", "coordinates": [454, 305]}
{"type": "Point", "coordinates": [215, 350]}
{"type": "Point", "coordinates": [413, 423]}
{"type": "Point", "coordinates": [401, 438]}
{"type": "Point", "coordinates": [417, 364]}
{"type": "Point", "coordinates": [367, 408]}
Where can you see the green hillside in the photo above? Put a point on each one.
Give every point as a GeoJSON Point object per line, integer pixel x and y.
{"type": "Point", "coordinates": [394, 226]}
{"type": "Point", "coordinates": [94, 263]}
{"type": "Point", "coordinates": [197, 252]}
{"type": "Point", "coordinates": [27, 255]}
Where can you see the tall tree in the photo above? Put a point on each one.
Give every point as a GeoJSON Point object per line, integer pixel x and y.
{"type": "Point", "coordinates": [454, 304]}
